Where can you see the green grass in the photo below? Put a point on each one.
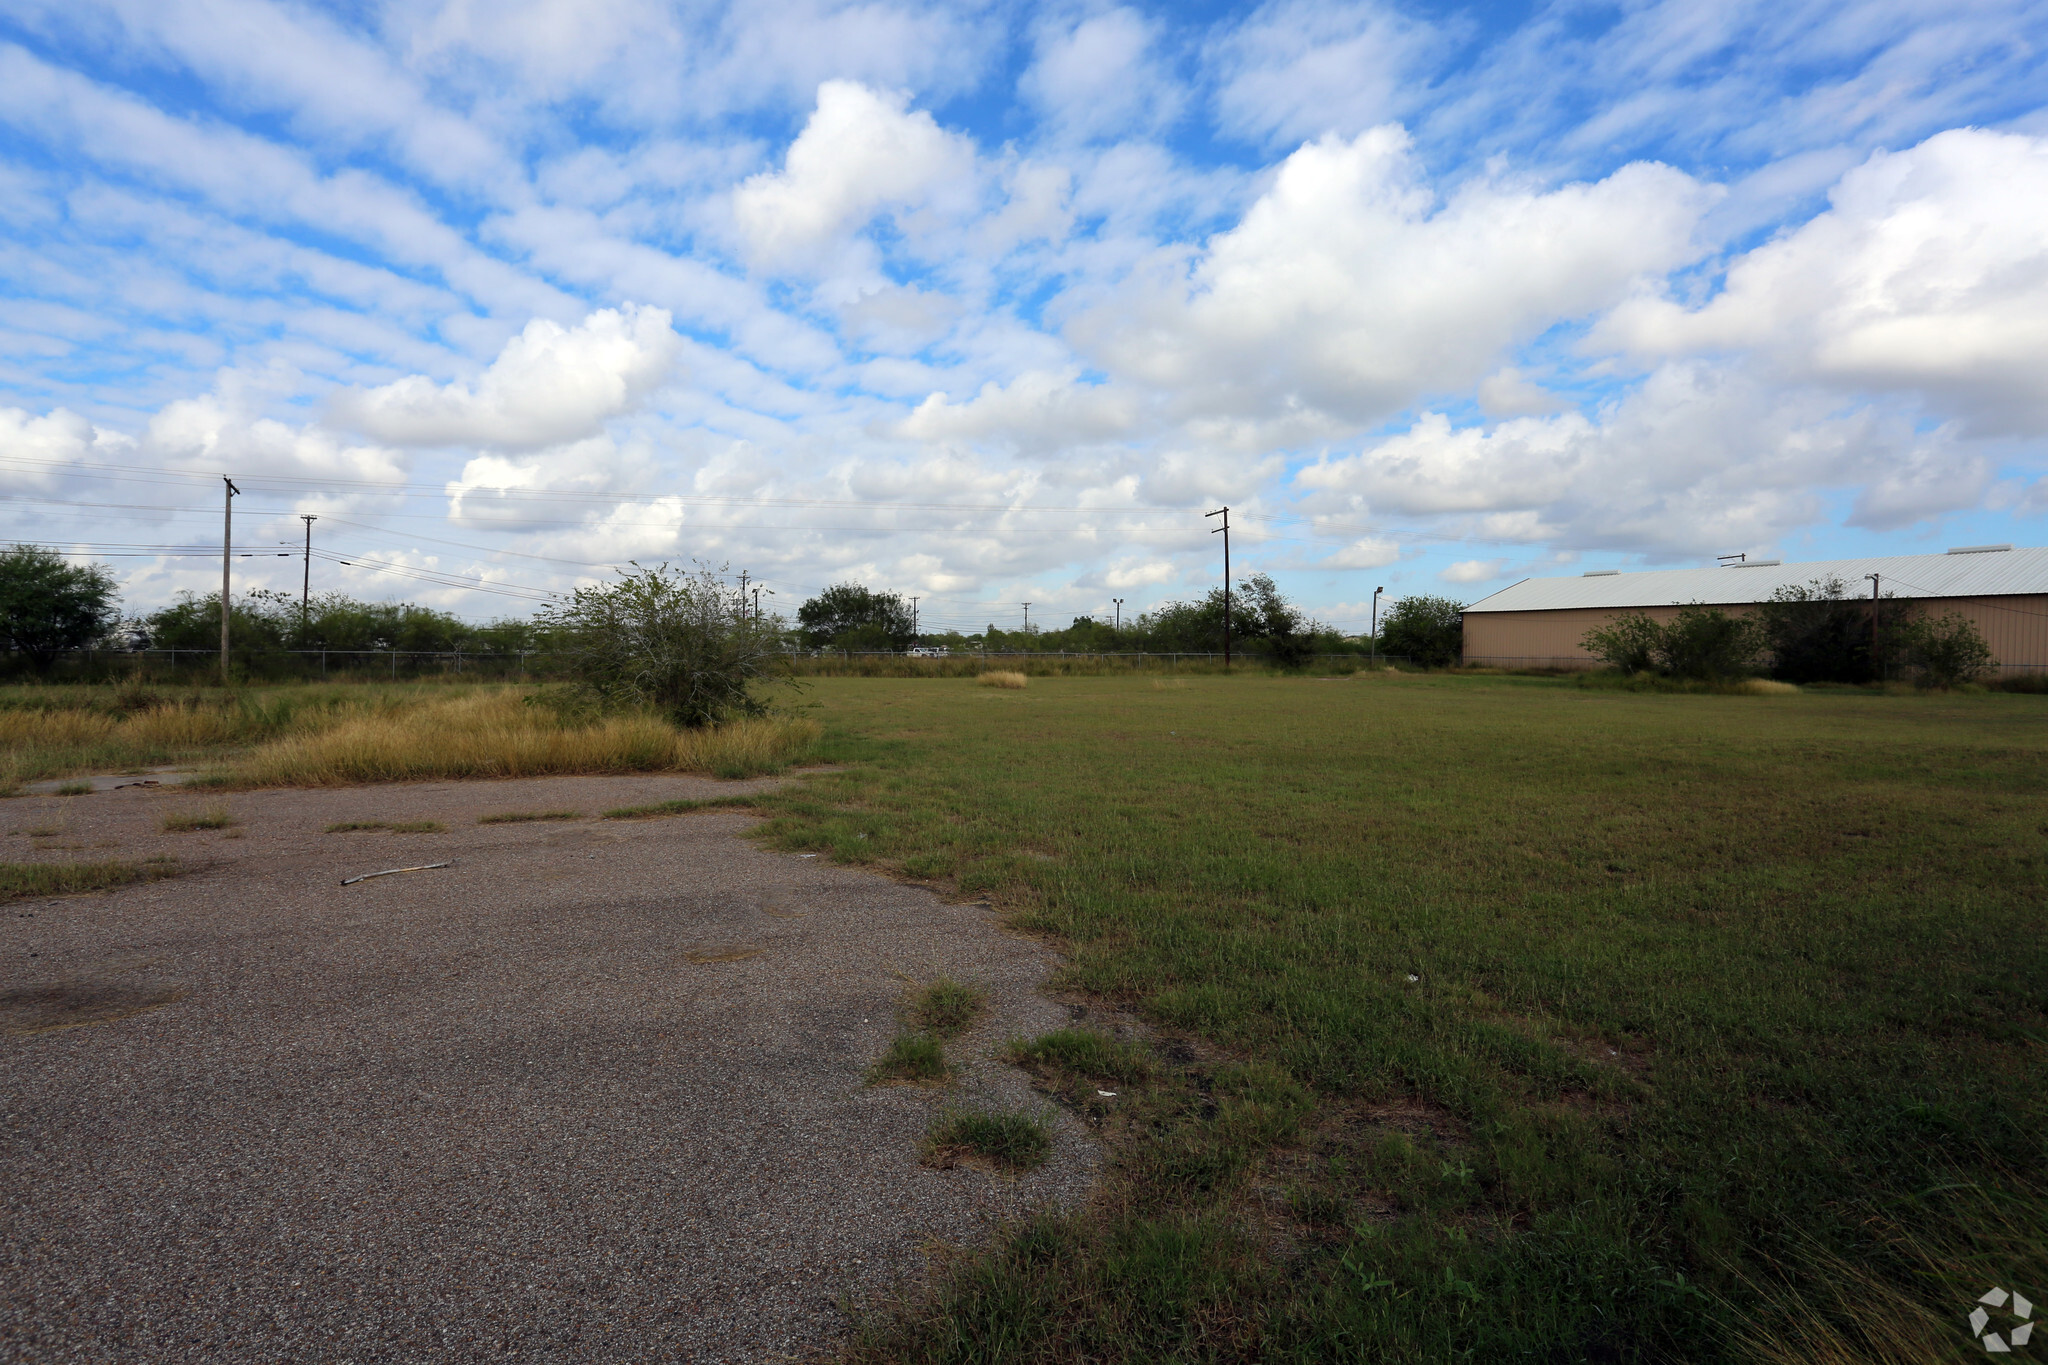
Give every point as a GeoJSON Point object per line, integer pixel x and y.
{"type": "Point", "coordinates": [945, 1008]}
{"type": "Point", "coordinates": [388, 826]}
{"type": "Point", "coordinates": [918, 1058]}
{"type": "Point", "coordinates": [1569, 1023]}
{"type": "Point", "coordinates": [22, 881]}
{"type": "Point", "coordinates": [1010, 1142]}
{"type": "Point", "coordinates": [75, 789]}
{"type": "Point", "coordinates": [186, 822]}
{"type": "Point", "coordinates": [662, 809]}
{"type": "Point", "coordinates": [520, 817]}
{"type": "Point", "coordinates": [1084, 1052]}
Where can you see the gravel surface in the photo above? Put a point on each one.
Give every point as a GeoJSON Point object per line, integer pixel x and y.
{"type": "Point", "coordinates": [592, 1093]}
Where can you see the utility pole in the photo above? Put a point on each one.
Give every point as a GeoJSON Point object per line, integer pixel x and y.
{"type": "Point", "coordinates": [743, 592]}
{"type": "Point", "coordinates": [1876, 659]}
{"type": "Point", "coordinates": [227, 544]}
{"type": "Point", "coordinates": [306, 586]}
{"type": "Point", "coordinates": [1027, 618]}
{"type": "Point", "coordinates": [1224, 512]}
{"type": "Point", "coordinates": [1119, 613]}
{"type": "Point", "coordinates": [1376, 623]}
{"type": "Point", "coordinates": [757, 604]}
{"type": "Point", "coordinates": [913, 620]}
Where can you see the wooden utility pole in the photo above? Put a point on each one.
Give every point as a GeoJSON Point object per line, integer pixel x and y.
{"type": "Point", "coordinates": [306, 585]}
{"type": "Point", "coordinates": [1224, 512]}
{"type": "Point", "coordinates": [227, 543]}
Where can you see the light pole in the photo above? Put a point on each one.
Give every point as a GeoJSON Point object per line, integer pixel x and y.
{"type": "Point", "coordinates": [1876, 659]}
{"type": "Point", "coordinates": [1376, 623]}
{"type": "Point", "coordinates": [1119, 614]}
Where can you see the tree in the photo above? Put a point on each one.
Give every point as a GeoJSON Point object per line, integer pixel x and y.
{"type": "Point", "coordinates": [678, 642]}
{"type": "Point", "coordinates": [1947, 651]}
{"type": "Point", "coordinates": [1629, 642]}
{"type": "Point", "coordinates": [1428, 630]}
{"type": "Point", "coordinates": [842, 615]}
{"type": "Point", "coordinates": [48, 606]}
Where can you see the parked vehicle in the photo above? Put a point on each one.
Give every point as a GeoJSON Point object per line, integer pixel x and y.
{"type": "Point", "coordinates": [929, 651]}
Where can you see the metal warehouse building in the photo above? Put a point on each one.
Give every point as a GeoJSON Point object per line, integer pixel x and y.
{"type": "Point", "coordinates": [1539, 622]}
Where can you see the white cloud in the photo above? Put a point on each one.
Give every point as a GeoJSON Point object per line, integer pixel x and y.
{"type": "Point", "coordinates": [1928, 273]}
{"type": "Point", "coordinates": [1294, 70]}
{"type": "Point", "coordinates": [860, 153]}
{"type": "Point", "coordinates": [57, 437]}
{"type": "Point", "coordinates": [550, 385]}
{"type": "Point", "coordinates": [1100, 76]}
{"type": "Point", "coordinates": [1699, 459]}
{"type": "Point", "coordinates": [1472, 571]}
{"type": "Point", "coordinates": [1350, 290]}
{"type": "Point", "coordinates": [1510, 393]}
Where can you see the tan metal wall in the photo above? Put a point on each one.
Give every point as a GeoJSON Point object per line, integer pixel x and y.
{"type": "Point", "coordinates": [2016, 628]}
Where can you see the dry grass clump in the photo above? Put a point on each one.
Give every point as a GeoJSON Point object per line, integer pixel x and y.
{"type": "Point", "coordinates": [945, 1008]}
{"type": "Point", "coordinates": [498, 735]}
{"type": "Point", "coordinates": [22, 881]}
{"type": "Point", "coordinates": [186, 821]}
{"type": "Point", "coordinates": [1765, 687]}
{"type": "Point", "coordinates": [388, 827]}
{"type": "Point", "coordinates": [1001, 677]}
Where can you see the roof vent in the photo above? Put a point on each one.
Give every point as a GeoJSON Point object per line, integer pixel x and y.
{"type": "Point", "coordinates": [1754, 564]}
{"type": "Point", "coordinates": [1978, 549]}
{"type": "Point", "coordinates": [1590, 573]}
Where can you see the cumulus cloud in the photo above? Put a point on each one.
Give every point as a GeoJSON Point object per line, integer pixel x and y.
{"type": "Point", "coordinates": [861, 152]}
{"type": "Point", "coordinates": [551, 384]}
{"type": "Point", "coordinates": [1700, 459]}
{"type": "Point", "coordinates": [57, 437]}
{"type": "Point", "coordinates": [1472, 571]}
{"type": "Point", "coordinates": [1927, 273]}
{"type": "Point", "coordinates": [1349, 288]}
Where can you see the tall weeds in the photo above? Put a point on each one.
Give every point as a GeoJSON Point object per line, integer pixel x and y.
{"type": "Point", "coordinates": [496, 734]}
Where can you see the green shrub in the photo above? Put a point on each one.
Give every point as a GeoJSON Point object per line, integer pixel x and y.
{"type": "Point", "coordinates": [1629, 642]}
{"type": "Point", "coordinates": [1947, 651]}
{"type": "Point", "coordinates": [680, 643]}
{"type": "Point", "coordinates": [1706, 642]}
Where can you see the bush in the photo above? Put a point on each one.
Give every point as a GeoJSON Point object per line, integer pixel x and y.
{"type": "Point", "coordinates": [1706, 642]}
{"type": "Point", "coordinates": [680, 643]}
{"type": "Point", "coordinates": [48, 606]}
{"type": "Point", "coordinates": [1947, 651]}
{"type": "Point", "coordinates": [1702, 642]}
{"type": "Point", "coordinates": [1628, 642]}
{"type": "Point", "coordinates": [1428, 630]}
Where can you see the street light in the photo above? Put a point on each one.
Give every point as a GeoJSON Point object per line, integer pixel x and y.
{"type": "Point", "coordinates": [1119, 612]}
{"type": "Point", "coordinates": [1376, 623]}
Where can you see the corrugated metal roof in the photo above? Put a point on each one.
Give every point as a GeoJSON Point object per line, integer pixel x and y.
{"type": "Point", "coordinates": [1987, 574]}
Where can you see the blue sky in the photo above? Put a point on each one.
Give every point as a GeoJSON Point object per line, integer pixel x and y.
{"type": "Point", "coordinates": [988, 303]}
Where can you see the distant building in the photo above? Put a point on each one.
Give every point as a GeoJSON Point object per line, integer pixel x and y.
{"type": "Point", "coordinates": [1539, 622]}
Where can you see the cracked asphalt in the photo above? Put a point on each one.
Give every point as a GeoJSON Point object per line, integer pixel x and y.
{"type": "Point", "coordinates": [593, 1093]}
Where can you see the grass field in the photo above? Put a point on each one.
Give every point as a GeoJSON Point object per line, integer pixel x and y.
{"type": "Point", "coordinates": [1497, 1019]}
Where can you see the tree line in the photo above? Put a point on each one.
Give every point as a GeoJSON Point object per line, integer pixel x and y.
{"type": "Point", "coordinates": [50, 606]}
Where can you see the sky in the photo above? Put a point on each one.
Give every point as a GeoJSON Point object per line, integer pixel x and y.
{"type": "Point", "coordinates": [990, 303]}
